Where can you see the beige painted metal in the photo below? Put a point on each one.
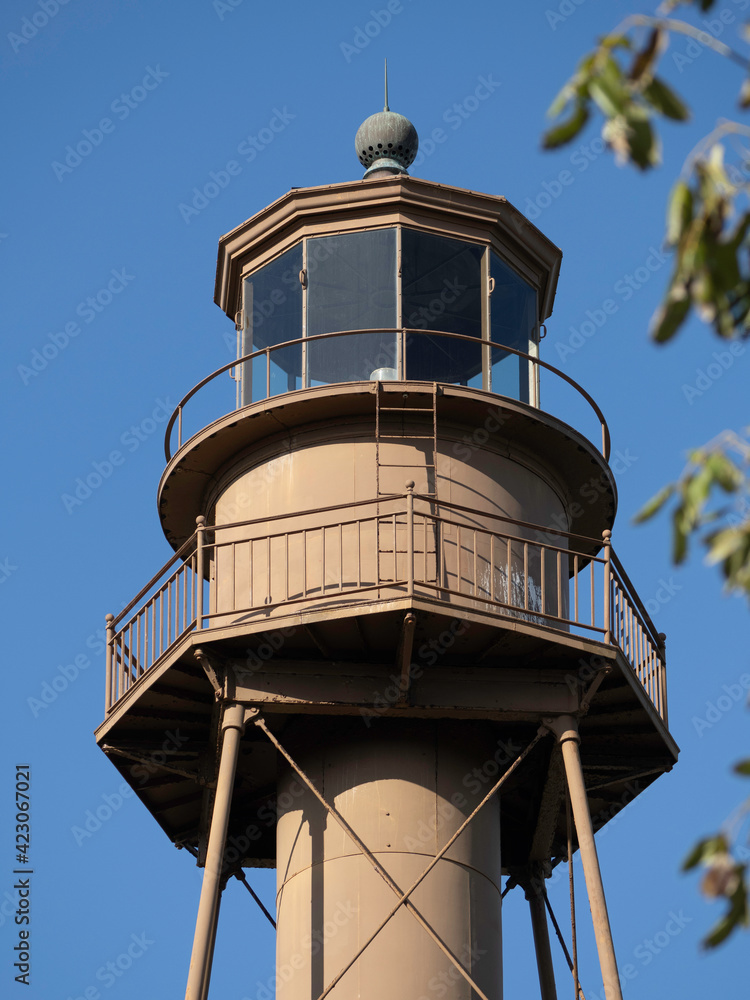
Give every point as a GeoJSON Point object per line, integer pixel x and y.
{"type": "Point", "coordinates": [232, 727]}
{"type": "Point", "coordinates": [212, 942]}
{"type": "Point", "coordinates": [336, 464]}
{"type": "Point", "coordinates": [353, 206]}
{"type": "Point", "coordinates": [566, 730]}
{"type": "Point", "coordinates": [332, 561]}
{"type": "Point", "coordinates": [404, 793]}
{"type": "Point", "coordinates": [540, 930]}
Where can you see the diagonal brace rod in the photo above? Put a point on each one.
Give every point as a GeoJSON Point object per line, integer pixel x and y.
{"type": "Point", "coordinates": [403, 897]}
{"type": "Point", "coordinates": [506, 774]}
{"type": "Point", "coordinates": [372, 859]}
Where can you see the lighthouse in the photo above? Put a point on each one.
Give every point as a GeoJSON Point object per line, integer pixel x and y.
{"type": "Point", "coordinates": [408, 668]}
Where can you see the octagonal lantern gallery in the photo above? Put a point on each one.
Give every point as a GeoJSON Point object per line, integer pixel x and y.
{"type": "Point", "coordinates": [390, 285]}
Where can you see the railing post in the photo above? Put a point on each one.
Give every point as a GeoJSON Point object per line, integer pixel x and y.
{"type": "Point", "coordinates": [200, 530]}
{"type": "Point", "coordinates": [410, 537]}
{"type": "Point", "coordinates": [662, 652]}
{"type": "Point", "coordinates": [607, 540]}
{"type": "Point", "coordinates": [109, 654]}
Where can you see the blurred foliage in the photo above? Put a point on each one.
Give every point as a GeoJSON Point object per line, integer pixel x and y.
{"type": "Point", "coordinates": [708, 228]}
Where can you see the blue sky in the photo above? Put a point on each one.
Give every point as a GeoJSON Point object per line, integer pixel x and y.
{"type": "Point", "coordinates": [162, 96]}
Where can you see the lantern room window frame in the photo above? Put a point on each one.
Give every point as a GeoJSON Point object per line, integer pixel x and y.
{"type": "Point", "coordinates": [334, 282]}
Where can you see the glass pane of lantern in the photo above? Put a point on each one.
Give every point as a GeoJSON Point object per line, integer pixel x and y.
{"type": "Point", "coordinates": [441, 291]}
{"type": "Point", "coordinates": [273, 315]}
{"type": "Point", "coordinates": [513, 323]}
{"type": "Point", "coordinates": [352, 286]}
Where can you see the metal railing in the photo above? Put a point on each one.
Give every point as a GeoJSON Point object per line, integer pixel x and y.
{"type": "Point", "coordinates": [176, 421]}
{"type": "Point", "coordinates": [402, 545]}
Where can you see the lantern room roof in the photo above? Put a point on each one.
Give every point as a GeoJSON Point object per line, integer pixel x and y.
{"type": "Point", "coordinates": [387, 201]}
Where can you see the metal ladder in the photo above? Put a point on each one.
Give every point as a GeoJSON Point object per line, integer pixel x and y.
{"type": "Point", "coordinates": [392, 549]}
{"type": "Point", "coordinates": [383, 404]}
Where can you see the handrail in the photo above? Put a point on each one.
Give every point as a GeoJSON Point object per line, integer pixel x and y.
{"type": "Point", "coordinates": [404, 331]}
{"type": "Point", "coordinates": [512, 578]}
{"type": "Point", "coordinates": [545, 529]}
{"type": "Point", "coordinates": [144, 590]}
{"type": "Point", "coordinates": [620, 570]}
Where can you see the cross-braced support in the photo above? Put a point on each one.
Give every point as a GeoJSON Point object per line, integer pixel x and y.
{"type": "Point", "coordinates": [403, 897]}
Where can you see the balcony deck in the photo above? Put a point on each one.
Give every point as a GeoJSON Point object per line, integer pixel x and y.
{"type": "Point", "coordinates": [252, 576]}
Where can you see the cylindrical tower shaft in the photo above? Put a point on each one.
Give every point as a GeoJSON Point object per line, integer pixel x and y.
{"type": "Point", "coordinates": [404, 792]}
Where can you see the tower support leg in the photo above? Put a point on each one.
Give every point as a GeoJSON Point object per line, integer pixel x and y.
{"type": "Point", "coordinates": [534, 893]}
{"type": "Point", "coordinates": [232, 727]}
{"type": "Point", "coordinates": [212, 943]}
{"type": "Point", "coordinates": [565, 728]}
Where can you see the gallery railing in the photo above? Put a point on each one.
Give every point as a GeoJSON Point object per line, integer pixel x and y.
{"type": "Point", "coordinates": [176, 434]}
{"type": "Point", "coordinates": [403, 545]}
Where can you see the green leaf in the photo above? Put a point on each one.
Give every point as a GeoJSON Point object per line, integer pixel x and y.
{"type": "Point", "coordinates": [703, 850]}
{"type": "Point", "coordinates": [668, 318]}
{"type": "Point", "coordinates": [561, 101]}
{"type": "Point", "coordinates": [724, 544]}
{"type": "Point", "coordinates": [609, 90]}
{"type": "Point", "coordinates": [724, 471]}
{"type": "Point", "coordinates": [680, 213]}
{"type": "Point", "coordinates": [666, 102]}
{"type": "Point", "coordinates": [568, 129]}
{"type": "Point", "coordinates": [735, 917]}
{"type": "Point", "coordinates": [655, 504]}
{"type": "Point", "coordinates": [743, 767]}
{"type": "Point", "coordinates": [644, 148]}
{"type": "Point", "coordinates": [679, 539]}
